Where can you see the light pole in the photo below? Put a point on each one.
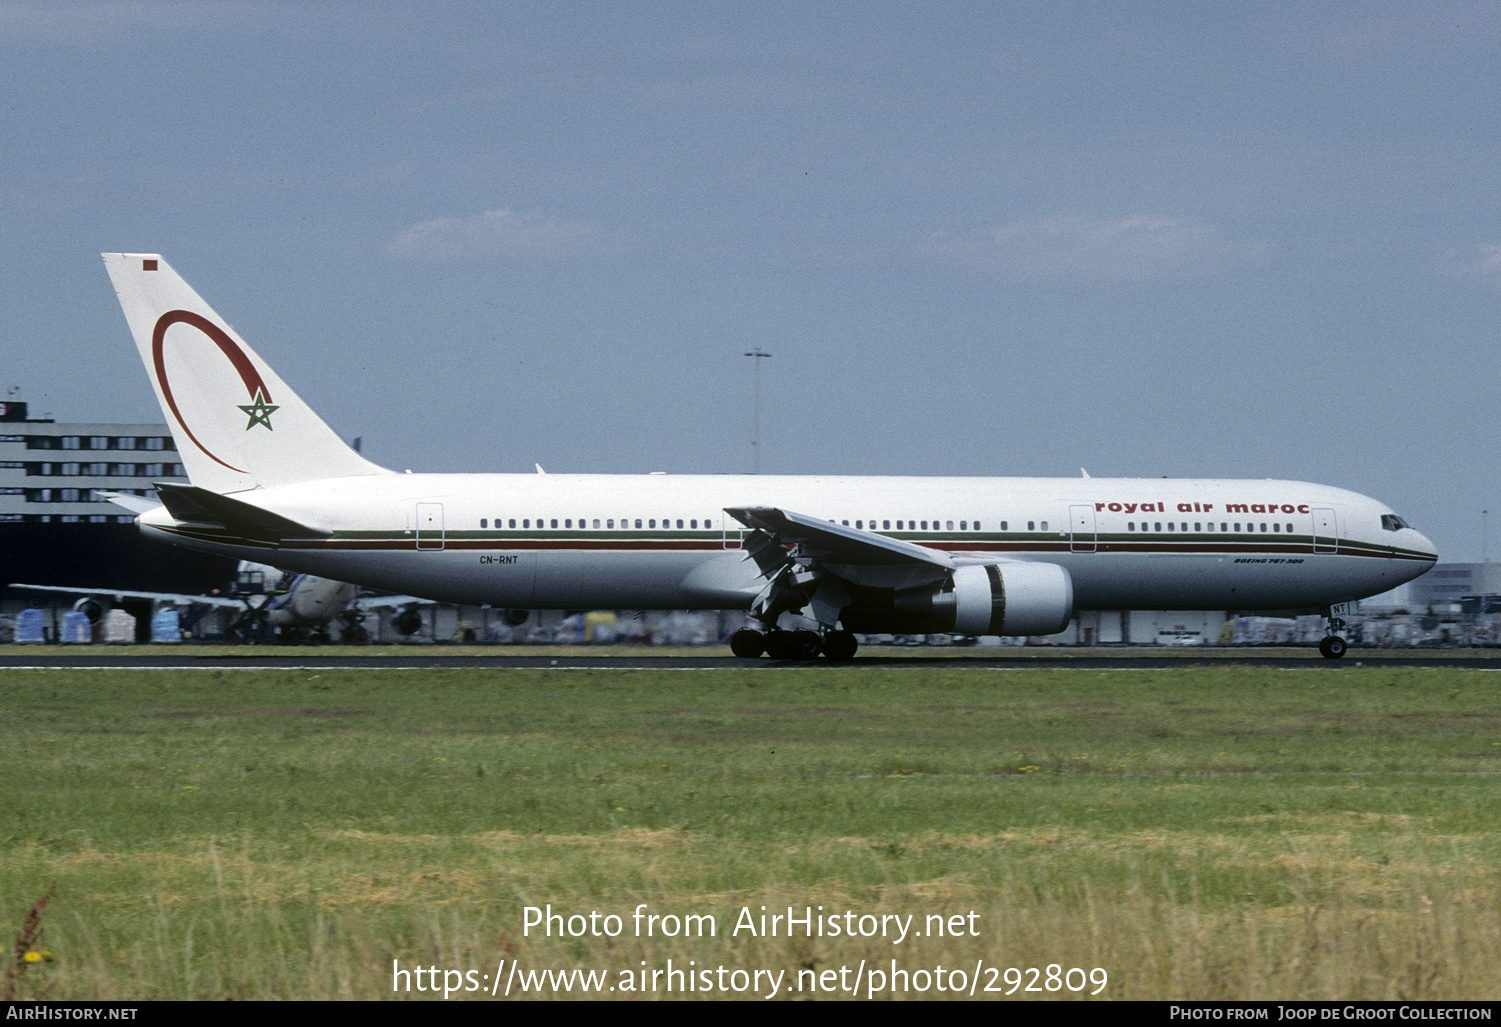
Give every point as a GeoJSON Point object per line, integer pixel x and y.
{"type": "Point", "coordinates": [756, 356]}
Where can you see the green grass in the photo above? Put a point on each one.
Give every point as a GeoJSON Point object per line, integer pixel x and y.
{"type": "Point", "coordinates": [1198, 833]}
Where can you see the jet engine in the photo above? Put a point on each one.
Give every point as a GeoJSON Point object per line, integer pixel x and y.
{"type": "Point", "coordinates": [978, 599]}
{"type": "Point", "coordinates": [92, 607]}
{"type": "Point", "coordinates": [408, 621]}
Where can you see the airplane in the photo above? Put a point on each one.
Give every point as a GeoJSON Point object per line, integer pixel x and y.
{"type": "Point", "coordinates": [902, 555]}
{"type": "Point", "coordinates": [273, 605]}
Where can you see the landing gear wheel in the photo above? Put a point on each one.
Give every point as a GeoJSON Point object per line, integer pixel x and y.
{"type": "Point", "coordinates": [1332, 647]}
{"type": "Point", "coordinates": [747, 643]}
{"type": "Point", "coordinates": [808, 644]}
{"type": "Point", "coordinates": [780, 646]}
{"type": "Point", "coordinates": [840, 645]}
{"type": "Point", "coordinates": [793, 645]}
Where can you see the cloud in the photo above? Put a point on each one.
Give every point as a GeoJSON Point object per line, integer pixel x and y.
{"type": "Point", "coordinates": [502, 233]}
{"type": "Point", "coordinates": [1482, 263]}
{"type": "Point", "coordinates": [1077, 250]}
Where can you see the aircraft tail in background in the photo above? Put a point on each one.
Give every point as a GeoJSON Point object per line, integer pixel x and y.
{"type": "Point", "coordinates": [237, 425]}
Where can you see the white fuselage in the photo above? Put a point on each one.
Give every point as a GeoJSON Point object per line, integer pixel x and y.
{"type": "Point", "coordinates": [665, 541]}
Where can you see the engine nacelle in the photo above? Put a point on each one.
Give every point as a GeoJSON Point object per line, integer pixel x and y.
{"type": "Point", "coordinates": [997, 599]}
{"type": "Point", "coordinates": [93, 608]}
{"type": "Point", "coordinates": [408, 621]}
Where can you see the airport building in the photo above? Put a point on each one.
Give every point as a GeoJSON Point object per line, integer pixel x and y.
{"type": "Point", "coordinates": [1447, 585]}
{"type": "Point", "coordinates": [56, 530]}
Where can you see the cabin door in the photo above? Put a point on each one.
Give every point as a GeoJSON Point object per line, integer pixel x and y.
{"type": "Point", "coordinates": [1081, 528]}
{"type": "Point", "coordinates": [429, 525]}
{"type": "Point", "coordinates": [1325, 531]}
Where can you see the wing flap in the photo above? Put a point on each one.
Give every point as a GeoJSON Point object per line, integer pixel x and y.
{"type": "Point", "coordinates": [854, 554]}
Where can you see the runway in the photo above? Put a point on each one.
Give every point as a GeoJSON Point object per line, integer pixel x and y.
{"type": "Point", "coordinates": [715, 658]}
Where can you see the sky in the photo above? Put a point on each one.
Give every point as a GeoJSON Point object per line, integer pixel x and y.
{"type": "Point", "coordinates": [1252, 240]}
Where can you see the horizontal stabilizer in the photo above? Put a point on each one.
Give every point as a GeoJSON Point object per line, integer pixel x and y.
{"type": "Point", "coordinates": [192, 505]}
{"type": "Point", "coordinates": [135, 504]}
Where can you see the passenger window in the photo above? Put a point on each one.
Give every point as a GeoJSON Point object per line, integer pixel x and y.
{"type": "Point", "coordinates": [886, 525]}
{"type": "Point", "coordinates": [1044, 525]}
{"type": "Point", "coordinates": [1031, 525]}
{"type": "Point", "coordinates": [483, 523]}
{"type": "Point", "coordinates": [638, 522]}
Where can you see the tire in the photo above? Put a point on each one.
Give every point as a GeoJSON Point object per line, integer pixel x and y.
{"type": "Point", "coordinates": [808, 643]}
{"type": "Point", "coordinates": [747, 643]}
{"type": "Point", "coordinates": [780, 646]}
{"type": "Point", "coordinates": [1333, 647]}
{"type": "Point", "coordinates": [840, 645]}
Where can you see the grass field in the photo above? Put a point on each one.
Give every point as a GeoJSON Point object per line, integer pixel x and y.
{"type": "Point", "coordinates": [1188, 833]}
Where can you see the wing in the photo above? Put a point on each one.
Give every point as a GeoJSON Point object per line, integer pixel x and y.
{"type": "Point", "coordinates": [390, 602]}
{"type": "Point", "coordinates": [118, 594]}
{"type": "Point", "coordinates": [860, 557]}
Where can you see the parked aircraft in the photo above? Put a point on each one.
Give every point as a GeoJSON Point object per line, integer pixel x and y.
{"type": "Point", "coordinates": [1004, 556]}
{"type": "Point", "coordinates": [272, 605]}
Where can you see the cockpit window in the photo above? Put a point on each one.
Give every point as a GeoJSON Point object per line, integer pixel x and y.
{"type": "Point", "coordinates": [1391, 522]}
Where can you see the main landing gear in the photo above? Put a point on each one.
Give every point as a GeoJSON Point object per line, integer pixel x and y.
{"type": "Point", "coordinates": [749, 643]}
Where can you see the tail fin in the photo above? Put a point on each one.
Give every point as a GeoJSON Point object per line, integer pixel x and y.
{"type": "Point", "coordinates": [237, 425]}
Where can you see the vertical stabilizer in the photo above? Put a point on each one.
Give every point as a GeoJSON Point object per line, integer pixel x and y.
{"type": "Point", "coordinates": [236, 423]}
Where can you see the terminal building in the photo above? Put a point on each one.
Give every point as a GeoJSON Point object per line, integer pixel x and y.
{"type": "Point", "coordinates": [56, 530]}
{"type": "Point", "coordinates": [1446, 587]}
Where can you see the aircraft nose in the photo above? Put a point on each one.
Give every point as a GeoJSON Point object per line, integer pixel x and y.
{"type": "Point", "coordinates": [1422, 544]}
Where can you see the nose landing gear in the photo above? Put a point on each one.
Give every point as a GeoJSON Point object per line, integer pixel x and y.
{"type": "Point", "coordinates": [1332, 646]}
